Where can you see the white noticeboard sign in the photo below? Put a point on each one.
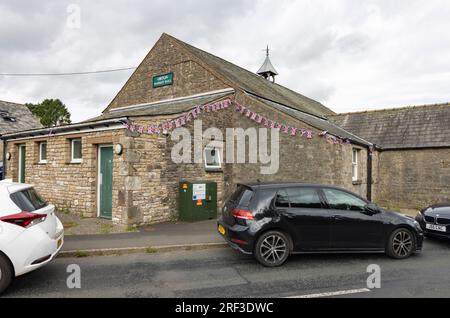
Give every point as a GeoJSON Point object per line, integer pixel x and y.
{"type": "Point", "coordinates": [199, 191]}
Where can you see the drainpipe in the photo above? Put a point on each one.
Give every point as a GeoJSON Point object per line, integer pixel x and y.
{"type": "Point", "coordinates": [4, 158]}
{"type": "Point", "coordinates": [369, 173]}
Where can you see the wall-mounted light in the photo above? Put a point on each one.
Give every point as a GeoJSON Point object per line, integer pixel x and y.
{"type": "Point", "coordinates": [118, 149]}
{"type": "Point", "coordinates": [8, 156]}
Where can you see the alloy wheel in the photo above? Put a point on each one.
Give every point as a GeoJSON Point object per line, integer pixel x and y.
{"type": "Point", "coordinates": [402, 243]}
{"type": "Point", "coordinates": [273, 249]}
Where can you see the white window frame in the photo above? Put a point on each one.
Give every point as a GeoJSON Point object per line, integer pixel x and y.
{"type": "Point", "coordinates": [207, 167]}
{"type": "Point", "coordinates": [355, 164]}
{"type": "Point", "coordinates": [72, 159]}
{"type": "Point", "coordinates": [40, 152]}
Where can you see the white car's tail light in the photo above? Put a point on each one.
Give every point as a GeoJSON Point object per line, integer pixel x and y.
{"type": "Point", "coordinates": [24, 219]}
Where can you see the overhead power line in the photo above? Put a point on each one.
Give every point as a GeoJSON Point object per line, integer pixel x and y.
{"type": "Point", "coordinates": [69, 73]}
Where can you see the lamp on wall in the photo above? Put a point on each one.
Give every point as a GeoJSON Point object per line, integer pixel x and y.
{"type": "Point", "coordinates": [118, 149]}
{"type": "Point", "coordinates": [8, 156]}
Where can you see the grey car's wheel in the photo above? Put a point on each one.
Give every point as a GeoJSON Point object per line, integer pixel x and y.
{"type": "Point", "coordinates": [6, 273]}
{"type": "Point", "coordinates": [401, 244]}
{"type": "Point", "coordinates": [272, 248]}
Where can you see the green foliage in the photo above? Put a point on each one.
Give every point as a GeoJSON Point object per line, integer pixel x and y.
{"type": "Point", "coordinates": [51, 112]}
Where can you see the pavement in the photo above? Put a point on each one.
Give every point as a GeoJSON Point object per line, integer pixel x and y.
{"type": "Point", "coordinates": [170, 236]}
{"type": "Point", "coordinates": [223, 272]}
{"type": "Point", "coordinates": [158, 237]}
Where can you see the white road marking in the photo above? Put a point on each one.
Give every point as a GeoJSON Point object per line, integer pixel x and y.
{"type": "Point", "coordinates": [336, 293]}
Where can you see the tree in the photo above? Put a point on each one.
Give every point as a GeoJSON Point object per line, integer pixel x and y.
{"type": "Point", "coordinates": [51, 112]}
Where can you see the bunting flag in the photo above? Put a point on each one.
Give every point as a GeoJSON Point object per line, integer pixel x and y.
{"type": "Point", "coordinates": [195, 112]}
{"type": "Point", "coordinates": [262, 120]}
{"type": "Point", "coordinates": [180, 121]}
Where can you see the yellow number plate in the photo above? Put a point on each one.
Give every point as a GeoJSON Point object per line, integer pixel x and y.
{"type": "Point", "coordinates": [221, 229]}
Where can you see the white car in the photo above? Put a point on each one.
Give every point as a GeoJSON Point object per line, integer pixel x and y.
{"type": "Point", "coordinates": [31, 235]}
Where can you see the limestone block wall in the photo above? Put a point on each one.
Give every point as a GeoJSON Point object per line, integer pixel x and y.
{"type": "Point", "coordinates": [413, 179]}
{"type": "Point", "coordinates": [72, 187]}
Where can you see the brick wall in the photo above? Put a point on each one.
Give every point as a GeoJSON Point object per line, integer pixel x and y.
{"type": "Point", "coordinates": [413, 178]}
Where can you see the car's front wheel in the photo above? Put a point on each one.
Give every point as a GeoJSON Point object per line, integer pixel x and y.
{"type": "Point", "coordinates": [272, 248]}
{"type": "Point", "coordinates": [6, 273]}
{"type": "Point", "coordinates": [401, 244]}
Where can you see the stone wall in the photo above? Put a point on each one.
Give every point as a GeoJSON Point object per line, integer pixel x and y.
{"type": "Point", "coordinates": [303, 160]}
{"type": "Point", "coordinates": [145, 177]}
{"type": "Point", "coordinates": [189, 78]}
{"type": "Point", "coordinates": [72, 187]}
{"type": "Point", "coordinates": [413, 179]}
{"type": "Point", "coordinates": [158, 176]}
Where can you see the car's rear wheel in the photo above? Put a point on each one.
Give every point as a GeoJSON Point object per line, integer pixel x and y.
{"type": "Point", "coordinates": [401, 244]}
{"type": "Point", "coordinates": [6, 273]}
{"type": "Point", "coordinates": [272, 248]}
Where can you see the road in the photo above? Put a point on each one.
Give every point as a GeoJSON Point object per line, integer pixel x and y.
{"type": "Point", "coordinates": [222, 272]}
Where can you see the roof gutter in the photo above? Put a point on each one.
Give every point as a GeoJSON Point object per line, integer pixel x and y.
{"type": "Point", "coordinates": [413, 148]}
{"type": "Point", "coordinates": [219, 93]}
{"type": "Point", "coordinates": [63, 129]}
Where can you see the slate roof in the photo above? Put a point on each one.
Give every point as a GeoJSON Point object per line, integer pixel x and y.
{"type": "Point", "coordinates": [317, 122]}
{"type": "Point", "coordinates": [257, 85]}
{"type": "Point", "coordinates": [16, 117]}
{"type": "Point", "coordinates": [399, 128]}
{"type": "Point", "coordinates": [162, 108]}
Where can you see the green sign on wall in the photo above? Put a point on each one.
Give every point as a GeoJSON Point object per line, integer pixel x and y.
{"type": "Point", "coordinates": [162, 80]}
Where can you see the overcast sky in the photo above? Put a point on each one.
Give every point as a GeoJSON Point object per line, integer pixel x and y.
{"type": "Point", "coordinates": [349, 55]}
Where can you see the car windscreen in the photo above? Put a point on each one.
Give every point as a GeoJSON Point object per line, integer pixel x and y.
{"type": "Point", "coordinates": [242, 196]}
{"type": "Point", "coordinates": [28, 200]}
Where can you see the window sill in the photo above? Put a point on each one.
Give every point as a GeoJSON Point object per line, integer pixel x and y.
{"type": "Point", "coordinates": [75, 162]}
{"type": "Point", "coordinates": [357, 182]}
{"type": "Point", "coordinates": [43, 162]}
{"type": "Point", "coordinates": [213, 169]}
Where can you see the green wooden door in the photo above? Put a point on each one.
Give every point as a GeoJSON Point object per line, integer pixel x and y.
{"type": "Point", "coordinates": [22, 156]}
{"type": "Point", "coordinates": [106, 180]}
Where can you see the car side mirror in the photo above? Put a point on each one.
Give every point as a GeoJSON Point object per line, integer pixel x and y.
{"type": "Point", "coordinates": [371, 209]}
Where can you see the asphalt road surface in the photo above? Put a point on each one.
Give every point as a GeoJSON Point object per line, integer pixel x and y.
{"type": "Point", "coordinates": [222, 272]}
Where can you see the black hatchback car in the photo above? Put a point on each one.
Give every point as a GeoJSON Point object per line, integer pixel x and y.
{"type": "Point", "coordinates": [272, 221]}
{"type": "Point", "coordinates": [435, 220]}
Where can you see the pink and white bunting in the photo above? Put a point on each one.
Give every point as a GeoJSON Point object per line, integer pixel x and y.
{"type": "Point", "coordinates": [181, 121]}
{"type": "Point", "coordinates": [262, 120]}
{"type": "Point", "coordinates": [195, 113]}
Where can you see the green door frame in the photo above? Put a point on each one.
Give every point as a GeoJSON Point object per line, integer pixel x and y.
{"type": "Point", "coordinates": [22, 163]}
{"type": "Point", "coordinates": [105, 181]}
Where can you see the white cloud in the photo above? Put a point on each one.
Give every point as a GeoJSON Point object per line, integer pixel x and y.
{"type": "Point", "coordinates": [350, 55]}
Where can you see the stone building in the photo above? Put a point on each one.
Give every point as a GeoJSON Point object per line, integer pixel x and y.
{"type": "Point", "coordinates": [14, 117]}
{"type": "Point", "coordinates": [413, 157]}
{"type": "Point", "coordinates": [119, 165]}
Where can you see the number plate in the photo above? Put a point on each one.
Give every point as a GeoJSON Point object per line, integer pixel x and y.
{"type": "Point", "coordinates": [221, 229]}
{"type": "Point", "coordinates": [435, 227]}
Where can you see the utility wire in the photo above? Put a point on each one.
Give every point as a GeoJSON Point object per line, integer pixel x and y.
{"type": "Point", "coordinates": [67, 74]}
